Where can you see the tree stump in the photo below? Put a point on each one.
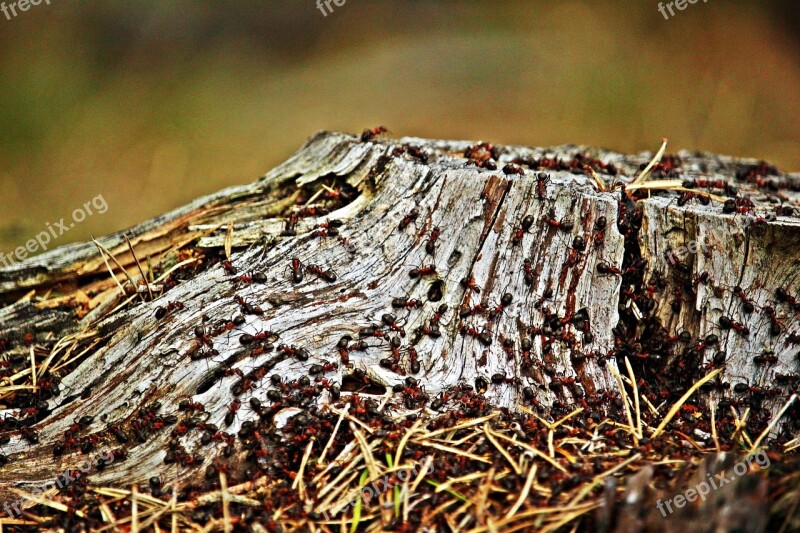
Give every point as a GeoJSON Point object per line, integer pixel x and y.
{"type": "Point", "coordinates": [406, 275]}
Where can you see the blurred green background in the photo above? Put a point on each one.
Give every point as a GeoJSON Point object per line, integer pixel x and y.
{"type": "Point", "coordinates": [153, 103]}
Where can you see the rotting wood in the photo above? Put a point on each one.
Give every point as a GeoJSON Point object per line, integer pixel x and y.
{"type": "Point", "coordinates": [129, 359]}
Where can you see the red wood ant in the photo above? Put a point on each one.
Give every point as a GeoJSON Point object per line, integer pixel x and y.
{"type": "Point", "coordinates": [359, 346]}
{"type": "Point", "coordinates": [546, 295]}
{"type": "Point", "coordinates": [269, 336]}
{"type": "Point", "coordinates": [188, 405]}
{"type": "Point", "coordinates": [710, 340]}
{"type": "Point", "coordinates": [481, 155]}
{"type": "Point", "coordinates": [500, 378]}
{"type": "Point", "coordinates": [413, 360]}
{"type": "Point", "coordinates": [766, 358]}
{"type": "Point", "coordinates": [247, 307]}
{"type": "Point", "coordinates": [742, 206]}
{"type": "Point", "coordinates": [237, 320]}
{"type": "Point", "coordinates": [391, 321]}
{"type": "Point", "coordinates": [310, 211]}
{"type": "Point", "coordinates": [327, 275]}
{"type": "Point", "coordinates": [505, 301]}
{"type": "Point", "coordinates": [400, 303]}
{"type": "Point", "coordinates": [525, 346]}
{"type": "Point", "coordinates": [519, 233]}
{"type": "Point", "coordinates": [203, 338]}
{"type": "Point", "coordinates": [553, 223]}
{"type": "Point", "coordinates": [417, 153]}
{"type": "Point", "coordinates": [530, 396]}
{"type": "Point", "coordinates": [469, 283]}
{"type": "Point", "coordinates": [605, 268]}
{"type": "Point", "coordinates": [429, 330]}
{"type": "Point", "coordinates": [747, 305]}
{"type": "Point", "coordinates": [327, 229]}
{"type": "Point", "coordinates": [705, 184]}
{"type": "Point", "coordinates": [229, 268]}
{"type": "Point", "coordinates": [369, 134]}
{"type": "Point", "coordinates": [297, 270]}
{"type": "Point", "coordinates": [228, 372]}
{"type": "Point", "coordinates": [289, 229]}
{"type": "Point", "coordinates": [231, 414]}
{"type": "Point", "coordinates": [392, 364]}
{"type": "Point", "coordinates": [430, 246]}
{"type": "Point", "coordinates": [703, 278]}
{"type": "Point", "coordinates": [322, 369]}
{"type": "Point", "coordinates": [558, 382]}
{"type": "Point", "coordinates": [408, 219]}
{"type": "Point", "coordinates": [422, 271]}
{"type": "Point", "coordinates": [685, 197]}
{"type": "Point", "coordinates": [541, 184]}
{"type": "Point", "coordinates": [508, 348]}
{"type": "Point", "coordinates": [439, 402]}
{"type": "Point", "coordinates": [524, 226]}
{"type": "Point", "coordinates": [580, 357]}
{"type": "Point", "coordinates": [742, 388]}
{"type": "Point", "coordinates": [255, 277]}
{"type": "Point", "coordinates": [775, 325]}
{"type": "Point", "coordinates": [437, 316]}
{"type": "Point", "coordinates": [726, 323]}
{"type": "Point", "coordinates": [573, 258]}
{"type": "Point", "coordinates": [29, 435]}
{"type": "Point", "coordinates": [527, 266]}
{"type": "Point", "coordinates": [783, 296]}
{"type": "Point", "coordinates": [467, 311]}
{"type": "Point", "coordinates": [513, 169]}
{"type": "Point", "coordinates": [482, 336]}
{"type": "Point", "coordinates": [787, 379]}
{"type": "Point", "coordinates": [161, 312]}
{"type": "Point", "coordinates": [301, 354]}
{"type": "Point", "coordinates": [600, 230]}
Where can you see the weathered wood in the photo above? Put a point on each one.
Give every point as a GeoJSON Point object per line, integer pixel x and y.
{"type": "Point", "coordinates": [130, 359]}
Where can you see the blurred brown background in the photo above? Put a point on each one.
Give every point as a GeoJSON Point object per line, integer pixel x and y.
{"type": "Point", "coordinates": [154, 103]}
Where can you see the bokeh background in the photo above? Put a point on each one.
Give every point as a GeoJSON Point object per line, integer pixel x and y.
{"type": "Point", "coordinates": [152, 103]}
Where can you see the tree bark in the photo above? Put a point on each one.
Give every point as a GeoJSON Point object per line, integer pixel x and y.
{"type": "Point", "coordinates": [534, 282]}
